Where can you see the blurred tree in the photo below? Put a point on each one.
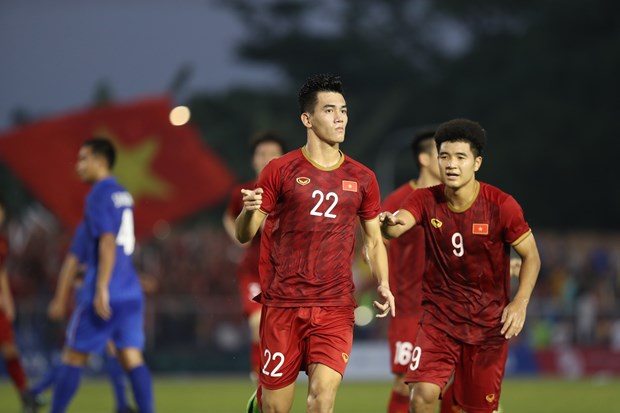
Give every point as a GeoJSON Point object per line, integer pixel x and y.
{"type": "Point", "coordinates": [539, 76]}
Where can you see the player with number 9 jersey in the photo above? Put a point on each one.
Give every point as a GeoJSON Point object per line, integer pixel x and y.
{"type": "Point", "coordinates": [308, 239]}
{"type": "Point", "coordinates": [467, 281]}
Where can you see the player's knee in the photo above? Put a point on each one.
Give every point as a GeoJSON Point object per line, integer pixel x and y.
{"type": "Point", "coordinates": [321, 398]}
{"type": "Point", "coordinates": [400, 386]}
{"type": "Point", "coordinates": [130, 358]}
{"type": "Point", "coordinates": [270, 404]}
{"type": "Point", "coordinates": [9, 350]}
{"type": "Point", "coordinates": [423, 398]}
{"type": "Point", "coordinates": [74, 358]}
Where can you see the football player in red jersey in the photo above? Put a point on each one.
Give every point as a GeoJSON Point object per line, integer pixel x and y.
{"type": "Point", "coordinates": [265, 146]}
{"type": "Point", "coordinates": [406, 257]}
{"type": "Point", "coordinates": [8, 348]}
{"type": "Point", "coordinates": [469, 228]}
{"type": "Point", "coordinates": [311, 200]}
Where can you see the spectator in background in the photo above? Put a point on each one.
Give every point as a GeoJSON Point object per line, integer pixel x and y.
{"type": "Point", "coordinates": [265, 146]}
{"type": "Point", "coordinates": [8, 348]}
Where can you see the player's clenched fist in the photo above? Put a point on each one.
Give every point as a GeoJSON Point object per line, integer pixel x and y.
{"type": "Point", "coordinates": [252, 199]}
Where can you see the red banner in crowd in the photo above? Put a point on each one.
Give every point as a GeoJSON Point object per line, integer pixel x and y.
{"type": "Point", "coordinates": [166, 168]}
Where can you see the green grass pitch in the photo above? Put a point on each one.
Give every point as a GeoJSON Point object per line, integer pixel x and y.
{"type": "Point", "coordinates": [229, 395]}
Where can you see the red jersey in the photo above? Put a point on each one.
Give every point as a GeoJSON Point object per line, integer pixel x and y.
{"type": "Point", "coordinates": [467, 279]}
{"type": "Point", "coordinates": [248, 267]}
{"type": "Point", "coordinates": [406, 258]}
{"type": "Point", "coordinates": [308, 239]}
{"type": "Point", "coordinates": [4, 252]}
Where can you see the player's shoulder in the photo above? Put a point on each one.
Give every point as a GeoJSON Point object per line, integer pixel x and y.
{"type": "Point", "coordinates": [109, 189]}
{"type": "Point", "coordinates": [352, 163]}
{"type": "Point", "coordinates": [494, 194]}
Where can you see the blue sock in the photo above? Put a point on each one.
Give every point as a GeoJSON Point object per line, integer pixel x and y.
{"type": "Point", "coordinates": [117, 378]}
{"type": "Point", "coordinates": [47, 380]}
{"type": "Point", "coordinates": [142, 386]}
{"type": "Point", "coordinates": [65, 387]}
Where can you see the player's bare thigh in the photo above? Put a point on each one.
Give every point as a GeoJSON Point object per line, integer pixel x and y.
{"type": "Point", "coordinates": [323, 383]}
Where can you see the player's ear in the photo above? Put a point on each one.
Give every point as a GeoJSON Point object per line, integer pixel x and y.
{"type": "Point", "coordinates": [424, 159]}
{"type": "Point", "coordinates": [477, 163]}
{"type": "Point", "coordinates": [305, 119]}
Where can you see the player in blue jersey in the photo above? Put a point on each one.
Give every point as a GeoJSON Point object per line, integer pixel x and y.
{"type": "Point", "coordinates": [110, 305]}
{"type": "Point", "coordinates": [69, 279]}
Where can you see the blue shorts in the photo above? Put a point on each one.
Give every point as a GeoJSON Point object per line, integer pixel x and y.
{"type": "Point", "coordinates": [89, 333]}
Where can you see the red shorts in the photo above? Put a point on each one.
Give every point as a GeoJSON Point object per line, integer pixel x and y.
{"type": "Point", "coordinates": [6, 329]}
{"type": "Point", "coordinates": [402, 332]}
{"type": "Point", "coordinates": [478, 369]}
{"type": "Point", "coordinates": [249, 287]}
{"type": "Point", "coordinates": [294, 337]}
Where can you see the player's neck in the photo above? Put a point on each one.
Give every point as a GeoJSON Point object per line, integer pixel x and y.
{"type": "Point", "coordinates": [322, 153]}
{"type": "Point", "coordinates": [101, 175]}
{"type": "Point", "coordinates": [426, 179]}
{"type": "Point", "coordinates": [461, 198]}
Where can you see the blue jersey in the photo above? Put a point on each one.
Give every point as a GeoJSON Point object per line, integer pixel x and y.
{"type": "Point", "coordinates": [109, 209]}
{"type": "Point", "coordinates": [79, 244]}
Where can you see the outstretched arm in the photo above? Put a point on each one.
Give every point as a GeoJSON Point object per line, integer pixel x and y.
{"type": "Point", "coordinates": [377, 259]}
{"type": "Point", "coordinates": [251, 217]}
{"type": "Point", "coordinates": [514, 314]}
{"type": "Point", "coordinates": [393, 225]}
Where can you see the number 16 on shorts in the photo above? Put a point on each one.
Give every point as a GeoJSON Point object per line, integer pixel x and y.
{"type": "Point", "coordinates": [407, 354]}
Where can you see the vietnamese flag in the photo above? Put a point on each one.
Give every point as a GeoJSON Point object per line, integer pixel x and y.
{"type": "Point", "coordinates": [166, 168]}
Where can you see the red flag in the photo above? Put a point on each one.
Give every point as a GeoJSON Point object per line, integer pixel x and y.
{"type": "Point", "coordinates": [166, 168]}
{"type": "Point", "coordinates": [480, 229]}
{"type": "Point", "coordinates": [349, 186]}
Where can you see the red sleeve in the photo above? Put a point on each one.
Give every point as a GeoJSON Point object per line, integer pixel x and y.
{"type": "Point", "coordinates": [371, 202]}
{"type": "Point", "coordinates": [512, 220]}
{"type": "Point", "coordinates": [269, 180]}
{"type": "Point", "coordinates": [414, 203]}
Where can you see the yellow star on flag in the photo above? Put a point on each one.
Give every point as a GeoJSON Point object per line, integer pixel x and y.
{"type": "Point", "coordinates": [133, 167]}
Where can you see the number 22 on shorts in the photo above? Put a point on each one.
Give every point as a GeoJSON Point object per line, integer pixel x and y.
{"type": "Point", "coordinates": [278, 360]}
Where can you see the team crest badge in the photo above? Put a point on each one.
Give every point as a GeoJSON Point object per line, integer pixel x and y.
{"type": "Point", "coordinates": [436, 223]}
{"type": "Point", "coordinates": [490, 397]}
{"type": "Point", "coordinates": [345, 357]}
{"type": "Point", "coordinates": [303, 181]}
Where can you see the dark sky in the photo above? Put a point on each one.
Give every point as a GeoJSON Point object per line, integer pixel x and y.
{"type": "Point", "coordinates": [53, 53]}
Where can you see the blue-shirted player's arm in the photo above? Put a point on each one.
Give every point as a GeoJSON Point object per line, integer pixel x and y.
{"type": "Point", "coordinates": [58, 305]}
{"type": "Point", "coordinates": [107, 255]}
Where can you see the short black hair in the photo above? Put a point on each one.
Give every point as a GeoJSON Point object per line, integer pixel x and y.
{"type": "Point", "coordinates": [422, 143]}
{"type": "Point", "coordinates": [266, 136]}
{"type": "Point", "coordinates": [464, 130]}
{"type": "Point", "coordinates": [102, 147]}
{"type": "Point", "coordinates": [325, 82]}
